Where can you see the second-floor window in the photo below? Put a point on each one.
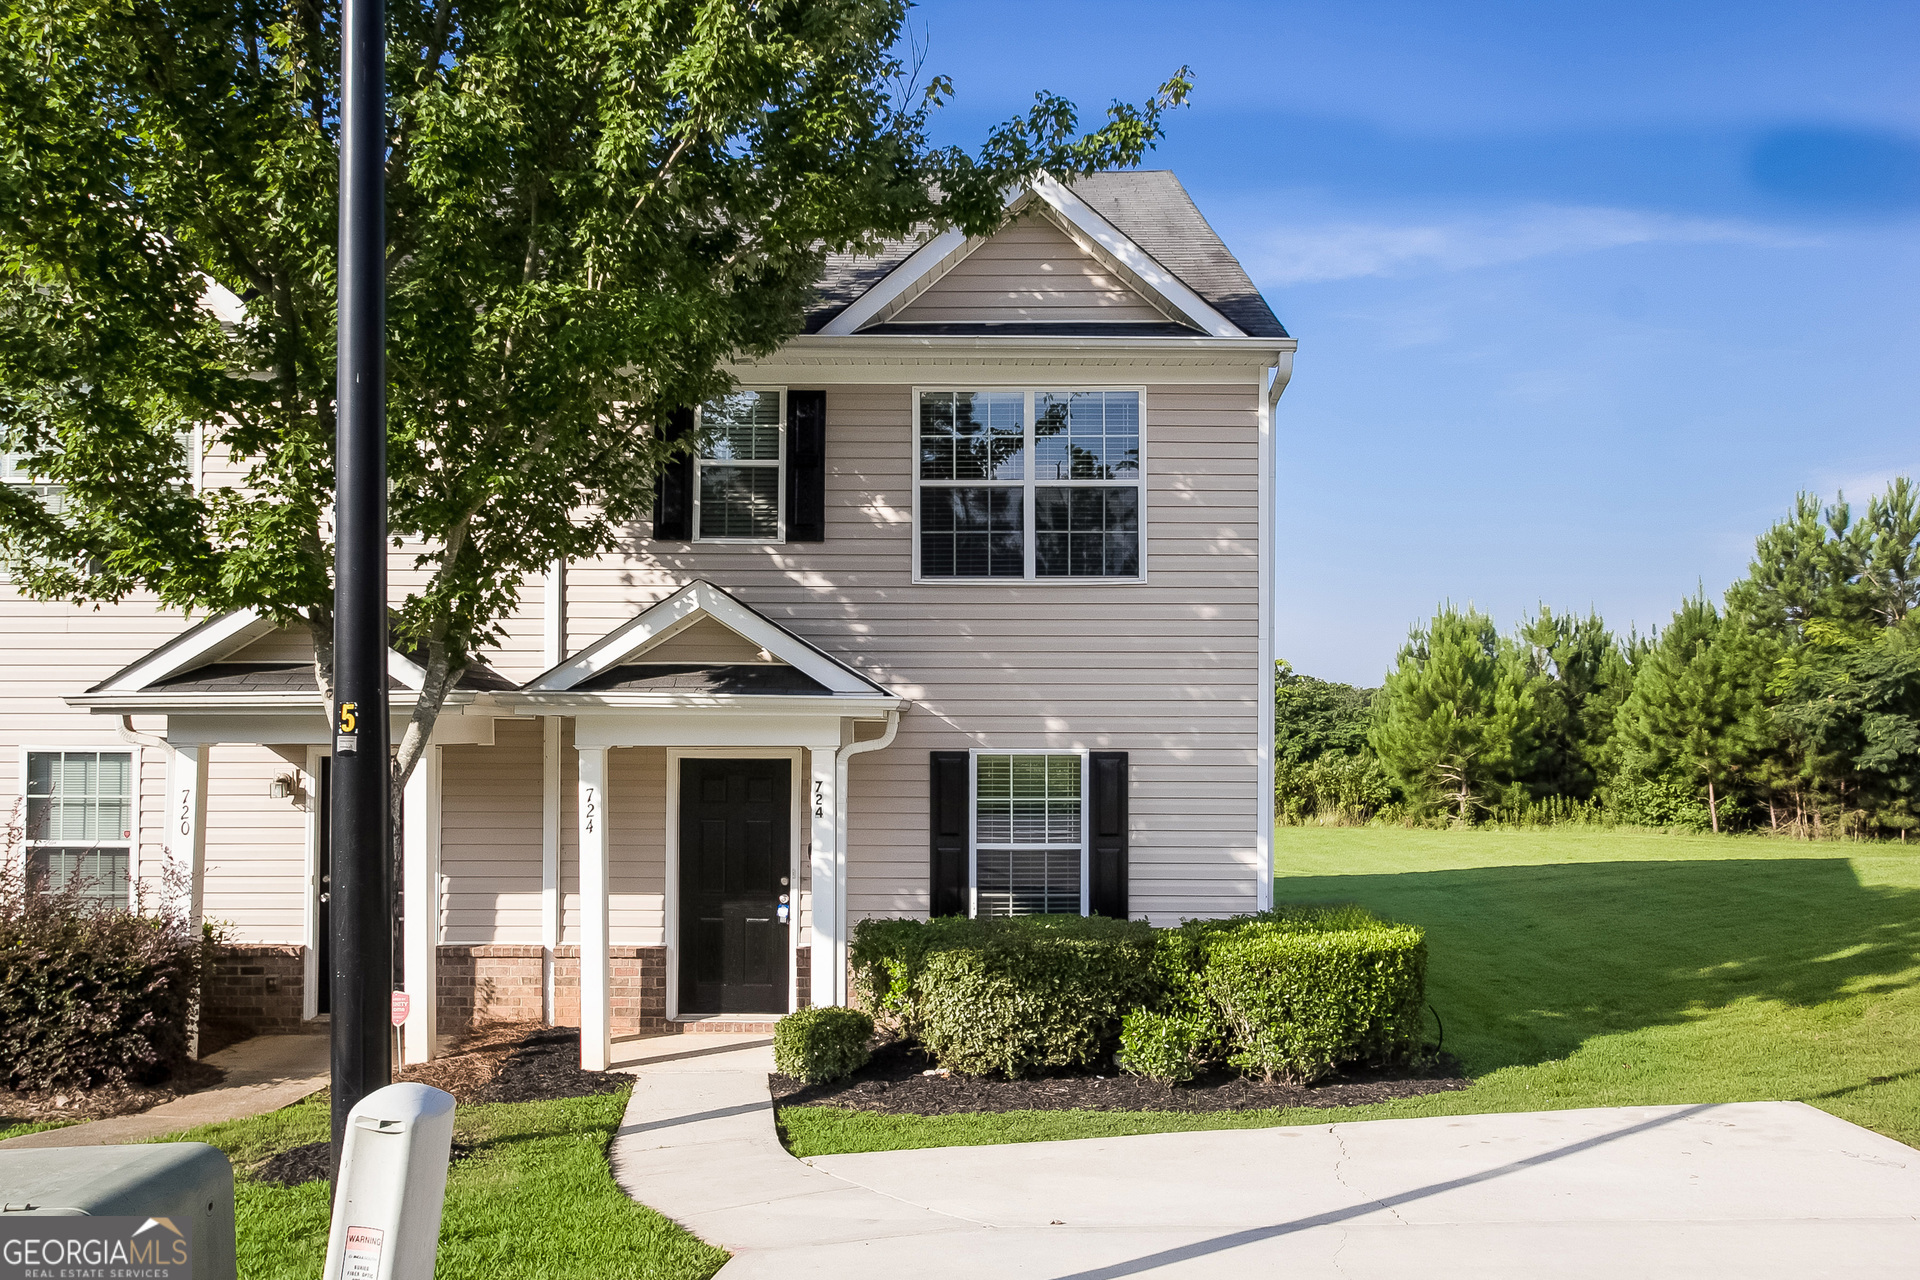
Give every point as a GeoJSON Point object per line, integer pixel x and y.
{"type": "Point", "coordinates": [1028, 485]}
{"type": "Point", "coordinates": [740, 490]}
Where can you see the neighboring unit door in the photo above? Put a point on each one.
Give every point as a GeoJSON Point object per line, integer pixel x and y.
{"type": "Point", "coordinates": [736, 831]}
{"type": "Point", "coordinates": [323, 894]}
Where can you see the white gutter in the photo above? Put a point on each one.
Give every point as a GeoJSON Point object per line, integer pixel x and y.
{"type": "Point", "coordinates": [129, 734]}
{"type": "Point", "coordinates": [845, 344]}
{"type": "Point", "coordinates": [838, 977]}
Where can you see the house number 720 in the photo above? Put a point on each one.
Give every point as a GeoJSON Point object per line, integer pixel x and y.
{"type": "Point", "coordinates": [819, 799]}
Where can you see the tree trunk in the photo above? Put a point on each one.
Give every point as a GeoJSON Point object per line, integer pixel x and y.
{"type": "Point", "coordinates": [1713, 806]}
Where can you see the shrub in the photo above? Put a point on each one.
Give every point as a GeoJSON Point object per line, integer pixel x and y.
{"type": "Point", "coordinates": [1300, 990]}
{"type": "Point", "coordinates": [822, 1045]}
{"type": "Point", "coordinates": [1017, 996]}
{"type": "Point", "coordinates": [1165, 1047]}
{"type": "Point", "coordinates": [91, 993]}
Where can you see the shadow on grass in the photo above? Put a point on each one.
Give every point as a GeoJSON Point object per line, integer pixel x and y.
{"type": "Point", "coordinates": [1527, 962]}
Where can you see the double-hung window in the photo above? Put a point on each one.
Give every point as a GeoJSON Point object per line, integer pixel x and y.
{"type": "Point", "coordinates": [1029, 834]}
{"type": "Point", "coordinates": [1028, 485]}
{"type": "Point", "coordinates": [739, 494]}
{"type": "Point", "coordinates": [80, 821]}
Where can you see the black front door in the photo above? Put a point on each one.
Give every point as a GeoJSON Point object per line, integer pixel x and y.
{"type": "Point", "coordinates": [735, 837]}
{"type": "Point", "coordinates": [323, 893]}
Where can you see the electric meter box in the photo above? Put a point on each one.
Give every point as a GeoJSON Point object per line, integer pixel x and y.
{"type": "Point", "coordinates": [165, 1186]}
{"type": "Point", "coordinates": [393, 1182]}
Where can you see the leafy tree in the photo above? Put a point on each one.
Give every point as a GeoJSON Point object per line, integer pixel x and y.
{"type": "Point", "coordinates": [1849, 710]}
{"type": "Point", "coordinates": [592, 204]}
{"type": "Point", "coordinates": [1460, 717]}
{"type": "Point", "coordinates": [1314, 717]}
{"type": "Point", "coordinates": [1696, 704]}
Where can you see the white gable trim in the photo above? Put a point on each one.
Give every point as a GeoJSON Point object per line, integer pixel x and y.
{"type": "Point", "coordinates": [209, 642]}
{"type": "Point", "coordinates": [677, 612]}
{"type": "Point", "coordinates": [1138, 263]}
{"type": "Point", "coordinates": [212, 641]}
{"type": "Point", "coordinates": [905, 282]}
{"type": "Point", "coordinates": [1103, 241]}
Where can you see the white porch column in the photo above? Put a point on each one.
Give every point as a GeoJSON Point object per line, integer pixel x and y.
{"type": "Point", "coordinates": [829, 871]}
{"type": "Point", "coordinates": [596, 1045]}
{"type": "Point", "coordinates": [549, 856]}
{"type": "Point", "coordinates": [186, 843]}
{"type": "Point", "coordinates": [420, 870]}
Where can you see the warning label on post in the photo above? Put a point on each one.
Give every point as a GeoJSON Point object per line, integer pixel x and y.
{"type": "Point", "coordinates": [361, 1259]}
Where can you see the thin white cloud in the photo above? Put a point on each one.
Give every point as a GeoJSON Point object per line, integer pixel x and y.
{"type": "Point", "coordinates": [1308, 253]}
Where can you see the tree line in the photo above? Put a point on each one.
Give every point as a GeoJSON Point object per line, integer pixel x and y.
{"type": "Point", "coordinates": [1791, 705]}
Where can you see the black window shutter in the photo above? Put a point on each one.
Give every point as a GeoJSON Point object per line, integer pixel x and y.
{"type": "Point", "coordinates": [806, 466]}
{"type": "Point", "coordinates": [948, 829]}
{"type": "Point", "coordinates": [1107, 826]}
{"type": "Point", "coordinates": [673, 487]}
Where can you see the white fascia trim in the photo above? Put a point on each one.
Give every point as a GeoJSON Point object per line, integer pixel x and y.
{"type": "Point", "coordinates": [928, 261]}
{"type": "Point", "coordinates": [1136, 260]}
{"type": "Point", "coordinates": [213, 641]}
{"type": "Point", "coordinates": [633, 638]}
{"type": "Point", "coordinates": [1262, 351]}
{"type": "Point", "coordinates": [406, 670]}
{"type": "Point", "coordinates": [163, 703]}
{"type": "Point", "coordinates": [765, 705]}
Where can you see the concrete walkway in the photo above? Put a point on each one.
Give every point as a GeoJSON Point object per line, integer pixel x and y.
{"type": "Point", "coordinates": [263, 1074]}
{"type": "Point", "coordinates": [1748, 1189]}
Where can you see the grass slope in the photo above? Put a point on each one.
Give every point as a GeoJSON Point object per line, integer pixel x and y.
{"type": "Point", "coordinates": [1591, 968]}
{"type": "Point", "coordinates": [535, 1199]}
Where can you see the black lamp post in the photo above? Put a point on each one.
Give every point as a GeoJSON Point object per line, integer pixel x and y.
{"type": "Point", "coordinates": [361, 906]}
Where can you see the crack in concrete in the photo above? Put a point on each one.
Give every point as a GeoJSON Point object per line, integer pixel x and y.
{"type": "Point", "coordinates": [1340, 1141]}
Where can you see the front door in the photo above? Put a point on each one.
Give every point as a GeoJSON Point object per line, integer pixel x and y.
{"type": "Point", "coordinates": [735, 839]}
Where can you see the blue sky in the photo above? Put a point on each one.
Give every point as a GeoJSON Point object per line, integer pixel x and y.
{"type": "Point", "coordinates": [1584, 294]}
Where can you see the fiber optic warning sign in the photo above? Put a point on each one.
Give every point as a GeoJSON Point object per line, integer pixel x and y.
{"type": "Point", "coordinates": [361, 1259]}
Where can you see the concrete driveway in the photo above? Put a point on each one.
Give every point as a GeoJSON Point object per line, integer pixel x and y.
{"type": "Point", "coordinates": [1767, 1189]}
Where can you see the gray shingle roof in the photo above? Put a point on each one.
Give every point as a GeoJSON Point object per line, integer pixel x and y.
{"type": "Point", "coordinates": [698, 677]}
{"type": "Point", "coordinates": [1149, 206]}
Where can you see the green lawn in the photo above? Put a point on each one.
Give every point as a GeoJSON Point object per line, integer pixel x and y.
{"type": "Point", "coordinates": [536, 1199]}
{"type": "Point", "coordinates": [1592, 968]}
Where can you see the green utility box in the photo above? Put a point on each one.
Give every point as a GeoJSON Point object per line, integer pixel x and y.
{"type": "Point", "coordinates": [162, 1210]}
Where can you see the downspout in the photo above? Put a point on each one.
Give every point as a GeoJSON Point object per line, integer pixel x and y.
{"type": "Point", "coordinates": [129, 734]}
{"type": "Point", "coordinates": [838, 992]}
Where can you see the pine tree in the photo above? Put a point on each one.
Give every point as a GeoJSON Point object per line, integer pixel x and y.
{"type": "Point", "coordinates": [1585, 676]}
{"type": "Point", "coordinates": [1460, 716]}
{"type": "Point", "coordinates": [1696, 704]}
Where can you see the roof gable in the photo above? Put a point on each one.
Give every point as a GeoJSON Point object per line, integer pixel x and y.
{"type": "Point", "coordinates": [652, 632]}
{"type": "Point", "coordinates": [1141, 227]}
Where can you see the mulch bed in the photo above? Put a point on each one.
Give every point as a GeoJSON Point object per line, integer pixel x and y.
{"type": "Point", "coordinates": [105, 1102]}
{"type": "Point", "coordinates": [893, 1084]}
{"type": "Point", "coordinates": [503, 1062]}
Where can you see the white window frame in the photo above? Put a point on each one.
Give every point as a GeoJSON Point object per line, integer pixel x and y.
{"type": "Point", "coordinates": [132, 842]}
{"type": "Point", "coordinates": [973, 821]}
{"type": "Point", "coordinates": [780, 470]}
{"type": "Point", "coordinates": [1029, 483]}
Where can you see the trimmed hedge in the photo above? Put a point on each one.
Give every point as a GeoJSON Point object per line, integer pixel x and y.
{"type": "Point", "coordinates": [1299, 990]}
{"type": "Point", "coordinates": [1291, 993]}
{"type": "Point", "coordinates": [822, 1045]}
{"type": "Point", "coordinates": [1015, 996]}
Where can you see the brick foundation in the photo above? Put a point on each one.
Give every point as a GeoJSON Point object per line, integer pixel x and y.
{"type": "Point", "coordinates": [637, 989]}
{"type": "Point", "coordinates": [260, 986]}
{"type": "Point", "coordinates": [492, 983]}
{"type": "Point", "coordinates": [803, 977]}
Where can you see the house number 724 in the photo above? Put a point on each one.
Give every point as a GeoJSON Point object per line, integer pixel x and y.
{"type": "Point", "coordinates": [819, 798]}
{"type": "Point", "coordinates": [589, 814]}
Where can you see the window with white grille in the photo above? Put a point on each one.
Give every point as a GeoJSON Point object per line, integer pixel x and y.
{"type": "Point", "coordinates": [79, 821]}
{"type": "Point", "coordinates": [1029, 834]}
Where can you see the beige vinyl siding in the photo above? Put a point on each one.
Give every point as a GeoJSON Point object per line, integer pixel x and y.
{"type": "Point", "coordinates": [490, 837]}
{"type": "Point", "coordinates": [50, 649]}
{"type": "Point", "coordinates": [287, 644]}
{"type": "Point", "coordinates": [705, 641]}
{"type": "Point", "coordinates": [256, 867]}
{"type": "Point", "coordinates": [636, 838]}
{"type": "Point", "coordinates": [1033, 272]}
{"type": "Point", "coordinates": [1166, 670]}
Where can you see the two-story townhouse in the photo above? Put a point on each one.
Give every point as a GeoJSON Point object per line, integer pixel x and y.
{"type": "Point", "coordinates": [962, 603]}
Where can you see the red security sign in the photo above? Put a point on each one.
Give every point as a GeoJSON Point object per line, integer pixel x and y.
{"type": "Point", "coordinates": [401, 1003]}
